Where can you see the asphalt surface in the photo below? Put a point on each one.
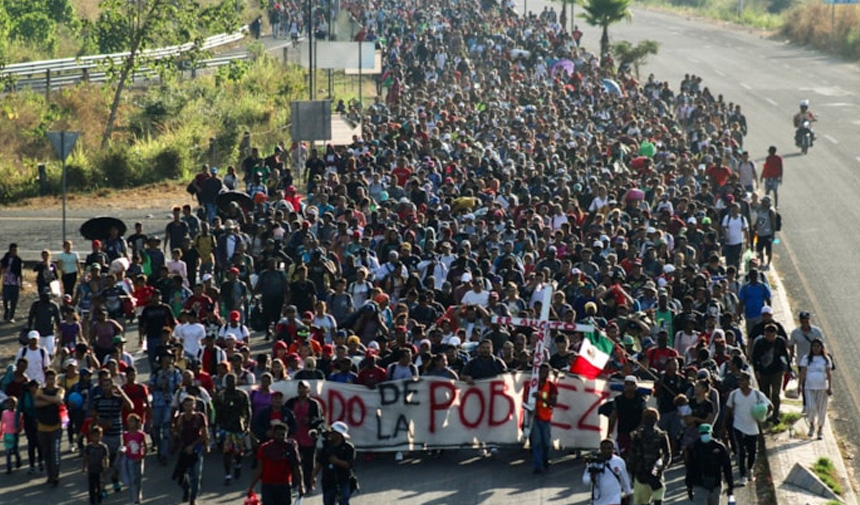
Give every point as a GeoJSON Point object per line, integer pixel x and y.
{"type": "Point", "coordinates": [768, 78]}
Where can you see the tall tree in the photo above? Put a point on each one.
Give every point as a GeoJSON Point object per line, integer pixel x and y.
{"type": "Point", "coordinates": [604, 13]}
{"type": "Point", "coordinates": [134, 26]}
{"type": "Point", "coordinates": [635, 56]}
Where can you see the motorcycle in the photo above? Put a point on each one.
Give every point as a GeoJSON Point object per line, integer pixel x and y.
{"type": "Point", "coordinates": [804, 137]}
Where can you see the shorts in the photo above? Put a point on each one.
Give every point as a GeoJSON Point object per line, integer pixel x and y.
{"type": "Point", "coordinates": [771, 184]}
{"type": "Point", "coordinates": [764, 244]}
{"type": "Point", "coordinates": [233, 442]}
{"type": "Point", "coordinates": [644, 494]}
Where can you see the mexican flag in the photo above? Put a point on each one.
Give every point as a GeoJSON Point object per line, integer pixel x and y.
{"type": "Point", "coordinates": [593, 355]}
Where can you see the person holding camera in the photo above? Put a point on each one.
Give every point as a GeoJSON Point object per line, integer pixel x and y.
{"type": "Point", "coordinates": [606, 473]}
{"type": "Point", "coordinates": [335, 460]}
{"type": "Point", "coordinates": [708, 464]}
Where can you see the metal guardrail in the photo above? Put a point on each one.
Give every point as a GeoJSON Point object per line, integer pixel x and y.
{"type": "Point", "coordinates": [146, 73]}
{"type": "Point", "coordinates": [68, 71]}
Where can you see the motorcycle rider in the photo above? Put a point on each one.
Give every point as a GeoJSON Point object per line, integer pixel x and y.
{"type": "Point", "coordinates": [804, 115]}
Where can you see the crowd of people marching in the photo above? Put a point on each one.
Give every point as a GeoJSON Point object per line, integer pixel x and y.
{"type": "Point", "coordinates": [502, 162]}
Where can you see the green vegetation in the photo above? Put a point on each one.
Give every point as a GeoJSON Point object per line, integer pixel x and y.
{"type": "Point", "coordinates": [634, 56]}
{"type": "Point", "coordinates": [825, 471]}
{"type": "Point", "coordinates": [163, 131]}
{"type": "Point", "coordinates": [834, 29]}
{"type": "Point", "coordinates": [604, 13]}
{"type": "Point", "coordinates": [766, 14]}
{"type": "Point", "coordinates": [786, 422]}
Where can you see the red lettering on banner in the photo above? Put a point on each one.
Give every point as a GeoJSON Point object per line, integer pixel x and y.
{"type": "Point", "coordinates": [435, 404]}
{"type": "Point", "coordinates": [601, 397]}
{"type": "Point", "coordinates": [352, 410]}
{"type": "Point", "coordinates": [499, 389]}
{"type": "Point", "coordinates": [472, 391]}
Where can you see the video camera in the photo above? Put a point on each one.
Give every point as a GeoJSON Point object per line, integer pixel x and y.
{"type": "Point", "coordinates": [595, 463]}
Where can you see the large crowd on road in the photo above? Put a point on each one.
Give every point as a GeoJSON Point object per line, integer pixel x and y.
{"type": "Point", "coordinates": [503, 161]}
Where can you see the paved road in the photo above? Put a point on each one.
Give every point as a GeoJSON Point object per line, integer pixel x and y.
{"type": "Point", "coordinates": [768, 78]}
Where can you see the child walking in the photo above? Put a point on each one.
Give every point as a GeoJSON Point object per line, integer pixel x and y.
{"type": "Point", "coordinates": [95, 463]}
{"type": "Point", "coordinates": [134, 450]}
{"type": "Point", "coordinates": [11, 425]}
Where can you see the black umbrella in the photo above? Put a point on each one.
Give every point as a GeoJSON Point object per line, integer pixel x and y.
{"type": "Point", "coordinates": [223, 200]}
{"type": "Point", "coordinates": [98, 228]}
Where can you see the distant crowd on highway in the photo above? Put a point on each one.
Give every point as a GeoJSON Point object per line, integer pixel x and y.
{"type": "Point", "coordinates": [503, 162]}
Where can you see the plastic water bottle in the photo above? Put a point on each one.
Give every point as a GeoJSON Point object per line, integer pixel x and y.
{"type": "Point", "coordinates": [658, 467]}
{"type": "Point", "coordinates": [732, 500]}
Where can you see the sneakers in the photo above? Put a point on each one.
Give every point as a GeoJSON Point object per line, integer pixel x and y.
{"type": "Point", "coordinates": [742, 481]}
{"type": "Point", "coordinates": [398, 456]}
{"type": "Point", "coordinates": [820, 434]}
{"type": "Point", "coordinates": [811, 430]}
{"type": "Point", "coordinates": [117, 487]}
{"type": "Point", "coordinates": [237, 471]}
{"type": "Point", "coordinates": [227, 480]}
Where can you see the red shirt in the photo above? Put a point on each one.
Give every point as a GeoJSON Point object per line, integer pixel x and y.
{"type": "Point", "coordinates": [138, 394]}
{"type": "Point", "coordinates": [719, 174]}
{"type": "Point", "coordinates": [278, 459]}
{"type": "Point", "coordinates": [403, 174]}
{"type": "Point", "coordinates": [658, 357]}
{"type": "Point", "coordinates": [772, 167]}
{"type": "Point", "coordinates": [371, 376]}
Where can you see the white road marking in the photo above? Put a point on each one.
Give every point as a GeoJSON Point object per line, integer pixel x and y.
{"type": "Point", "coordinates": [831, 139]}
{"type": "Point", "coordinates": [719, 73]}
{"type": "Point", "coordinates": [745, 86]}
{"type": "Point", "coordinates": [693, 60]}
{"type": "Point", "coordinates": [858, 158]}
{"type": "Point", "coordinates": [771, 101]}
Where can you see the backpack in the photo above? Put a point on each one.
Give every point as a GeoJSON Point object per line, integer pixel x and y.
{"type": "Point", "coordinates": [777, 221]}
{"type": "Point", "coordinates": [45, 361]}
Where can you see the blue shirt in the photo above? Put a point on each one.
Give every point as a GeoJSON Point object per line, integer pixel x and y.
{"type": "Point", "coordinates": [754, 296]}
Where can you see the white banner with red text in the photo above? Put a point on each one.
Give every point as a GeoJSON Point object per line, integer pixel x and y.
{"type": "Point", "coordinates": [435, 413]}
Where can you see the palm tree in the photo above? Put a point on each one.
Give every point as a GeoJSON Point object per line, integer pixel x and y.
{"type": "Point", "coordinates": [603, 13]}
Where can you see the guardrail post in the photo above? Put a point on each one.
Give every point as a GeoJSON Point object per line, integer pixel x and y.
{"type": "Point", "coordinates": [85, 74]}
{"type": "Point", "coordinates": [286, 54]}
{"type": "Point", "coordinates": [48, 85]}
{"type": "Point", "coordinates": [43, 179]}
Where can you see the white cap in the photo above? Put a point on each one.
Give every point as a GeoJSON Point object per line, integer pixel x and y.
{"type": "Point", "coordinates": [33, 334]}
{"type": "Point", "coordinates": [597, 243]}
{"type": "Point", "coordinates": [373, 345]}
{"type": "Point", "coordinates": [455, 341]}
{"type": "Point", "coordinates": [340, 427]}
{"type": "Point", "coordinates": [630, 378]}
{"type": "Point", "coordinates": [767, 309]}
{"type": "Point", "coordinates": [668, 269]}
{"type": "Point", "coordinates": [206, 278]}
{"type": "Point", "coordinates": [466, 277]}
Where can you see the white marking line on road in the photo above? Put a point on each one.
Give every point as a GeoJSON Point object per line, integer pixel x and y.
{"type": "Point", "coordinates": [745, 86]}
{"type": "Point", "coordinates": [719, 73]}
{"type": "Point", "coordinates": [857, 158]}
{"type": "Point", "coordinates": [771, 101]}
{"type": "Point", "coordinates": [831, 139]}
{"type": "Point", "coordinates": [693, 60]}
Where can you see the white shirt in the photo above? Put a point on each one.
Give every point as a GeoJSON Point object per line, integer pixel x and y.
{"type": "Point", "coordinates": [240, 332]}
{"type": "Point", "coordinates": [474, 298]}
{"type": "Point", "coordinates": [742, 406]}
{"type": "Point", "coordinates": [734, 228]}
{"type": "Point", "coordinates": [608, 488]}
{"type": "Point", "coordinates": [816, 372]}
{"type": "Point", "coordinates": [191, 335]}
{"type": "Point", "coordinates": [37, 361]}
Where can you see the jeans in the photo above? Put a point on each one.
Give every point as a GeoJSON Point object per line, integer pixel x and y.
{"type": "Point", "coordinates": [307, 454]}
{"type": "Point", "coordinates": [94, 484]}
{"type": "Point", "coordinates": [13, 451]}
{"type": "Point", "coordinates": [33, 447]}
{"type": "Point", "coordinates": [771, 386]}
{"type": "Point", "coordinates": [10, 300]}
{"type": "Point", "coordinates": [49, 441]}
{"type": "Point", "coordinates": [275, 494]}
{"type": "Point", "coordinates": [541, 440]}
{"type": "Point", "coordinates": [161, 429]}
{"type": "Point", "coordinates": [210, 211]}
{"type": "Point", "coordinates": [747, 446]}
{"type": "Point", "coordinates": [151, 354]}
{"type": "Point", "coordinates": [336, 494]}
{"type": "Point", "coordinates": [132, 476]}
{"type": "Point", "coordinates": [195, 473]}
{"type": "Point", "coordinates": [69, 281]}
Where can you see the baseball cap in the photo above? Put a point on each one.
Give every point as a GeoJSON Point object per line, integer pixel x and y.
{"type": "Point", "coordinates": [33, 335]}
{"type": "Point", "coordinates": [341, 428]}
{"type": "Point", "coordinates": [803, 315]}
{"type": "Point", "coordinates": [630, 378]}
{"type": "Point", "coordinates": [235, 315]}
{"type": "Point", "coordinates": [304, 383]}
{"type": "Point", "coordinates": [705, 428]}
{"type": "Point", "coordinates": [767, 309]}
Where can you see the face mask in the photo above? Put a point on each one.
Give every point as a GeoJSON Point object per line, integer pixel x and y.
{"type": "Point", "coordinates": [705, 438]}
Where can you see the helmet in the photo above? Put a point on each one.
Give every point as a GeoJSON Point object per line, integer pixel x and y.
{"type": "Point", "coordinates": [804, 103]}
